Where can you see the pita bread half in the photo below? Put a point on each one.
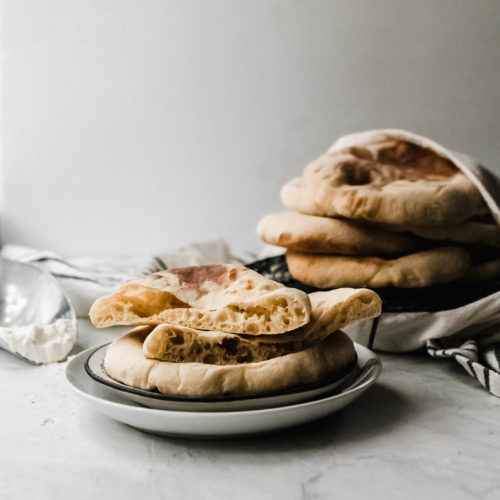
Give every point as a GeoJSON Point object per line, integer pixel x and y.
{"type": "Point", "coordinates": [331, 311]}
{"type": "Point", "coordinates": [392, 181]}
{"type": "Point", "coordinates": [421, 269]}
{"type": "Point", "coordinates": [308, 233]}
{"type": "Point", "coordinates": [226, 298]}
{"type": "Point", "coordinates": [125, 362]}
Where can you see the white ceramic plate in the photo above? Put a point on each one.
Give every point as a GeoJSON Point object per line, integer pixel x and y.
{"type": "Point", "coordinates": [94, 366]}
{"type": "Point", "coordinates": [199, 424]}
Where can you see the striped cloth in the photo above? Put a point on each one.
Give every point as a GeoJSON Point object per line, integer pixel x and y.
{"type": "Point", "coordinates": [481, 362]}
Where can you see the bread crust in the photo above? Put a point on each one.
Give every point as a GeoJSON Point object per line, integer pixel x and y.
{"type": "Point", "coordinates": [421, 269]}
{"type": "Point", "coordinates": [125, 362]}
{"type": "Point", "coordinates": [309, 233]}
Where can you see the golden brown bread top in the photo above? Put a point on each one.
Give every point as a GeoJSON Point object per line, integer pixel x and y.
{"type": "Point", "coordinates": [380, 163]}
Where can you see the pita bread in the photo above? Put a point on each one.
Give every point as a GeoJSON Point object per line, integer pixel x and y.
{"type": "Point", "coordinates": [308, 233]}
{"type": "Point", "coordinates": [438, 265]}
{"type": "Point", "coordinates": [296, 196]}
{"type": "Point", "coordinates": [126, 363]}
{"type": "Point", "coordinates": [226, 298]}
{"type": "Point", "coordinates": [330, 311]}
{"type": "Point", "coordinates": [392, 181]}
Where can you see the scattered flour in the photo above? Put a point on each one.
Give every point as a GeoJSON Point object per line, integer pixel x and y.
{"type": "Point", "coordinates": [40, 343]}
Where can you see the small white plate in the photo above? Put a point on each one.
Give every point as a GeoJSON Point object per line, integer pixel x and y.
{"type": "Point", "coordinates": [198, 424]}
{"type": "Point", "coordinates": [94, 366]}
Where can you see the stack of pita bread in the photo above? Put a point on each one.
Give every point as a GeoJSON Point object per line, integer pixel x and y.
{"type": "Point", "coordinates": [384, 213]}
{"type": "Point", "coordinates": [207, 331]}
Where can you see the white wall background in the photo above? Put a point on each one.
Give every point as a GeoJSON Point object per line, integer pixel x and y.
{"type": "Point", "coordinates": [141, 125]}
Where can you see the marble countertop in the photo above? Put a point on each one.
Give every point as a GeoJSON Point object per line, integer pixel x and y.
{"type": "Point", "coordinates": [425, 430]}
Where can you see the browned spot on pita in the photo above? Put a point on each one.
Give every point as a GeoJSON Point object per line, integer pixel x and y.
{"type": "Point", "coordinates": [422, 162]}
{"type": "Point", "coordinates": [356, 173]}
{"type": "Point", "coordinates": [400, 152]}
{"type": "Point", "coordinates": [285, 237]}
{"type": "Point", "coordinates": [195, 276]}
{"type": "Point", "coordinates": [413, 162]}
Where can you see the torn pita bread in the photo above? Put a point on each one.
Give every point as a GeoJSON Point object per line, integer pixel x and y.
{"type": "Point", "coordinates": [179, 344]}
{"type": "Point", "coordinates": [125, 362]}
{"type": "Point", "coordinates": [392, 181]}
{"type": "Point", "coordinates": [330, 311]}
{"type": "Point", "coordinates": [226, 298]}
{"type": "Point", "coordinates": [308, 233]}
{"type": "Point", "coordinates": [421, 269]}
